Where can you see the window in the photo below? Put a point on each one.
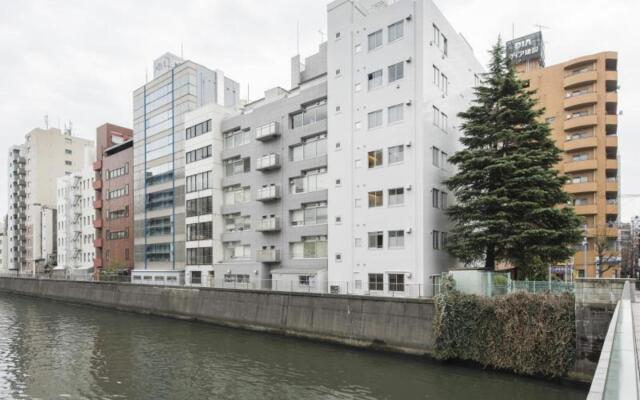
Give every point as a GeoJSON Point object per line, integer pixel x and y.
{"type": "Point", "coordinates": [236, 194]}
{"type": "Point", "coordinates": [199, 129]}
{"type": "Point", "coordinates": [435, 198]}
{"type": "Point", "coordinates": [312, 180]}
{"type": "Point", "coordinates": [237, 138]}
{"type": "Point", "coordinates": [236, 166]}
{"type": "Point", "coordinates": [199, 256]}
{"type": "Point", "coordinates": [444, 122]}
{"type": "Point", "coordinates": [445, 45]}
{"type": "Point", "coordinates": [309, 247]}
{"type": "Point", "coordinates": [443, 200]}
{"type": "Point", "coordinates": [67, 151]}
{"type": "Point", "coordinates": [115, 173]}
{"type": "Point", "coordinates": [396, 196]}
{"type": "Point", "coordinates": [117, 214]}
{"type": "Point", "coordinates": [395, 31]}
{"type": "Point", "coordinates": [158, 226]}
{"type": "Point", "coordinates": [262, 131]}
{"type": "Point", "coordinates": [376, 240]}
{"type": "Point", "coordinates": [159, 148]}
{"type": "Point", "coordinates": [197, 207]}
{"type": "Point", "coordinates": [237, 222]}
{"type": "Point", "coordinates": [117, 235]}
{"type": "Point", "coordinates": [236, 251]}
{"type": "Point", "coordinates": [444, 84]}
{"type": "Point", "coordinates": [358, 48]}
{"type": "Point", "coordinates": [396, 282]}
{"type": "Point", "coordinates": [159, 252]}
{"type": "Point", "coordinates": [374, 158]}
{"type": "Point", "coordinates": [309, 148]}
{"type": "Point", "coordinates": [159, 200]}
{"type": "Point", "coordinates": [198, 154]}
{"type": "Point", "coordinates": [375, 119]}
{"type": "Point", "coordinates": [236, 278]}
{"type": "Point", "coordinates": [375, 199]}
{"type": "Point", "coordinates": [303, 280]}
{"type": "Point", "coordinates": [196, 277]}
{"type": "Point", "coordinates": [374, 79]}
{"type": "Point", "coordinates": [199, 231]}
{"type": "Point", "coordinates": [395, 113]}
{"type": "Point", "coordinates": [116, 193]}
{"type": "Point", "coordinates": [67, 162]}
{"type": "Point", "coordinates": [436, 116]}
{"type": "Point", "coordinates": [444, 160]}
{"type": "Point", "coordinates": [159, 174]}
{"type": "Point", "coordinates": [310, 114]}
{"type": "Point", "coordinates": [436, 36]}
{"type": "Point", "coordinates": [396, 154]}
{"type": "Point", "coordinates": [396, 239]}
{"type": "Point", "coordinates": [198, 182]}
{"type": "Point", "coordinates": [443, 240]}
{"type": "Point", "coordinates": [375, 40]}
{"type": "Point", "coordinates": [436, 76]}
{"type": "Point", "coordinates": [435, 237]}
{"type": "Point", "coordinates": [376, 282]}
{"type": "Point", "coordinates": [435, 156]}
{"type": "Point", "coordinates": [309, 214]}
{"type": "Point", "coordinates": [396, 72]}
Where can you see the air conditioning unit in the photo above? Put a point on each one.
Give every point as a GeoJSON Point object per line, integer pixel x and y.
{"type": "Point", "coordinates": [409, 60]}
{"type": "Point", "coordinates": [408, 144]}
{"type": "Point", "coordinates": [409, 103]}
{"type": "Point", "coordinates": [408, 230]}
{"type": "Point", "coordinates": [409, 187]}
{"type": "Point", "coordinates": [409, 17]}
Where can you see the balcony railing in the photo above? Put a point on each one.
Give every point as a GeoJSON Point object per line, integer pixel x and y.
{"type": "Point", "coordinates": [268, 162]}
{"type": "Point", "coordinates": [268, 255]}
{"type": "Point", "coordinates": [268, 225]}
{"type": "Point", "coordinates": [268, 193]}
{"type": "Point", "coordinates": [268, 131]}
{"type": "Point", "coordinates": [97, 166]}
{"type": "Point", "coordinates": [97, 185]}
{"type": "Point", "coordinates": [97, 224]}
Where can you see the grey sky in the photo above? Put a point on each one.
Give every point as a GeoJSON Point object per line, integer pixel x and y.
{"type": "Point", "coordinates": [80, 60]}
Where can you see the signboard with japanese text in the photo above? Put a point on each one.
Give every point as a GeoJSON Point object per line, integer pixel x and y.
{"type": "Point", "coordinates": [526, 48]}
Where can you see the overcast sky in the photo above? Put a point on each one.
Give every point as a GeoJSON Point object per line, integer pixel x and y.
{"type": "Point", "coordinates": [80, 60]}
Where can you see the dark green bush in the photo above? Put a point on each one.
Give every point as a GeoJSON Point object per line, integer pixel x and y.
{"type": "Point", "coordinates": [530, 334]}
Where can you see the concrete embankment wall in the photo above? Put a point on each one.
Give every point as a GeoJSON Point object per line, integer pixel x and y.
{"type": "Point", "coordinates": [402, 325]}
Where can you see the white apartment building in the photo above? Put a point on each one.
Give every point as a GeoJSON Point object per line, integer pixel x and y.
{"type": "Point", "coordinates": [398, 74]}
{"type": "Point", "coordinates": [76, 233]}
{"type": "Point", "coordinates": [34, 167]}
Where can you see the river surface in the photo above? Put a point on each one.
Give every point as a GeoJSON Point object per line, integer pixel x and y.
{"type": "Point", "coordinates": [51, 350]}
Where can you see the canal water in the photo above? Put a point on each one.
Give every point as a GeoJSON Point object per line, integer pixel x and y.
{"type": "Point", "coordinates": [52, 350]}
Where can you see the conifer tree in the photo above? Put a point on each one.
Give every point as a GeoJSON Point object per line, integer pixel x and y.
{"type": "Point", "coordinates": [511, 206]}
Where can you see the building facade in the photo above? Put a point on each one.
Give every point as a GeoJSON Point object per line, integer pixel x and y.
{"type": "Point", "coordinates": [34, 168]}
{"type": "Point", "coordinates": [178, 87]}
{"type": "Point", "coordinates": [113, 199]}
{"type": "Point", "coordinates": [274, 186]}
{"type": "Point", "coordinates": [75, 217]}
{"type": "Point", "coordinates": [581, 105]}
{"type": "Point", "coordinates": [4, 245]}
{"type": "Point", "coordinates": [398, 75]}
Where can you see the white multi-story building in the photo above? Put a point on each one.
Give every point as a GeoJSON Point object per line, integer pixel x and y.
{"type": "Point", "coordinates": [76, 233]}
{"type": "Point", "coordinates": [34, 167]}
{"type": "Point", "coordinates": [4, 244]}
{"type": "Point", "coordinates": [398, 76]}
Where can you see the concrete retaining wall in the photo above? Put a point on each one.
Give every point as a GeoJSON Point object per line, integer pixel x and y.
{"type": "Point", "coordinates": [402, 325]}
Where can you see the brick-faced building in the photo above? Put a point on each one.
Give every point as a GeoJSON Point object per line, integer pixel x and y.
{"type": "Point", "coordinates": [114, 199]}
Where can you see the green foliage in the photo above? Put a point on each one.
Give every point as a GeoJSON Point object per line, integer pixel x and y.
{"type": "Point", "coordinates": [524, 333]}
{"type": "Point", "coordinates": [507, 186]}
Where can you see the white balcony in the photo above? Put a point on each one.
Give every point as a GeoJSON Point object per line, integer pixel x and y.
{"type": "Point", "coordinates": [268, 131]}
{"type": "Point", "coordinates": [268, 162]}
{"type": "Point", "coordinates": [268, 193]}
{"type": "Point", "coordinates": [268, 225]}
{"type": "Point", "coordinates": [268, 255]}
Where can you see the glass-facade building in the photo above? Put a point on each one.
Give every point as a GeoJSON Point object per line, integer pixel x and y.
{"type": "Point", "coordinates": [178, 86]}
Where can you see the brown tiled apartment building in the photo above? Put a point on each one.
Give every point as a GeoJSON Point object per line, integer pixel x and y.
{"type": "Point", "coordinates": [114, 199]}
{"type": "Point", "coordinates": [581, 102]}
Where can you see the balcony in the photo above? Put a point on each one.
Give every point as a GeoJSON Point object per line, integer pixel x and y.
{"type": "Point", "coordinates": [611, 141]}
{"type": "Point", "coordinates": [268, 131]}
{"type": "Point", "coordinates": [97, 224]}
{"type": "Point", "coordinates": [611, 119]}
{"type": "Point", "coordinates": [612, 207]}
{"type": "Point", "coordinates": [584, 165]}
{"type": "Point", "coordinates": [581, 99]}
{"type": "Point", "coordinates": [580, 78]}
{"type": "Point", "coordinates": [97, 165]}
{"type": "Point", "coordinates": [97, 263]}
{"type": "Point", "coordinates": [97, 185]}
{"type": "Point", "coordinates": [584, 143]}
{"type": "Point", "coordinates": [268, 255]}
{"type": "Point", "coordinates": [98, 243]}
{"type": "Point", "coordinates": [268, 162]}
{"type": "Point", "coordinates": [268, 193]}
{"type": "Point", "coordinates": [586, 209]}
{"type": "Point", "coordinates": [581, 122]}
{"type": "Point", "coordinates": [612, 185]}
{"type": "Point", "coordinates": [611, 97]}
{"type": "Point", "coordinates": [268, 225]}
{"type": "Point", "coordinates": [611, 76]}
{"type": "Point", "coordinates": [97, 204]}
{"type": "Point", "coordinates": [584, 187]}
{"type": "Point", "coordinates": [609, 231]}
{"type": "Point", "coordinates": [611, 164]}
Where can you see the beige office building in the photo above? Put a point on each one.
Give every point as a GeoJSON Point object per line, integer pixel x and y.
{"type": "Point", "coordinates": [581, 102]}
{"type": "Point", "coordinates": [34, 167]}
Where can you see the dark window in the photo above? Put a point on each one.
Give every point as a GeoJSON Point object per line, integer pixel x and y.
{"type": "Point", "coordinates": [199, 129]}
{"type": "Point", "coordinates": [199, 256]}
{"type": "Point", "coordinates": [396, 282]}
{"type": "Point", "coordinates": [376, 281]}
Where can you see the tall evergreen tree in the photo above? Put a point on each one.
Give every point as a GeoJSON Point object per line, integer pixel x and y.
{"type": "Point", "coordinates": [508, 191]}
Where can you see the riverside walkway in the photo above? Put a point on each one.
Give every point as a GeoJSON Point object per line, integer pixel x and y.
{"type": "Point", "coordinates": [618, 373]}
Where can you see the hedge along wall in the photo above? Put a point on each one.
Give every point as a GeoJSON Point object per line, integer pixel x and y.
{"type": "Point", "coordinates": [530, 334]}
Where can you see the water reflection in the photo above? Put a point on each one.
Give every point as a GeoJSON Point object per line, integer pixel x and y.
{"type": "Point", "coordinates": [53, 350]}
